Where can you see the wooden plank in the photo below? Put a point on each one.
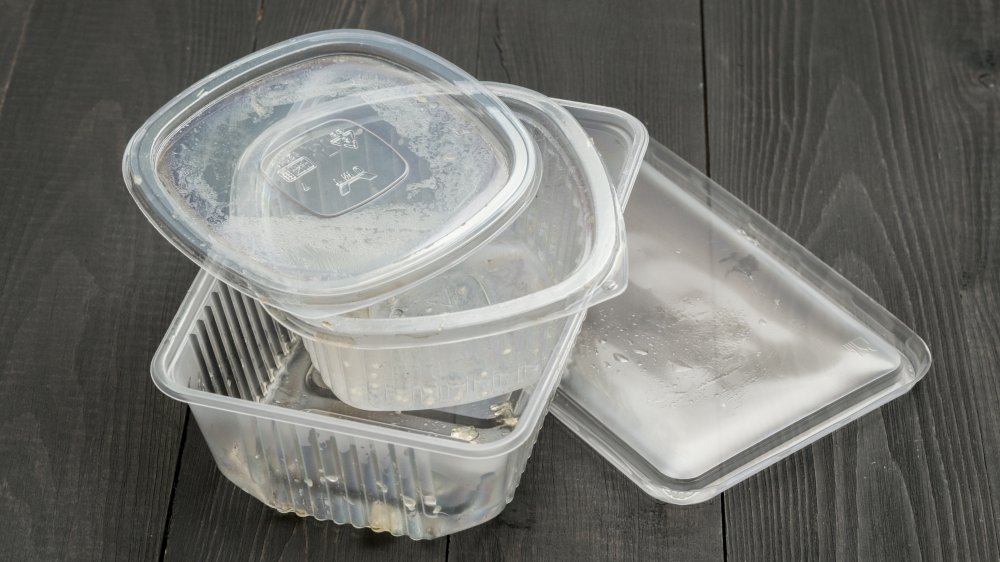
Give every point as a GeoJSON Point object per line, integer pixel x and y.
{"type": "Point", "coordinates": [449, 28]}
{"type": "Point", "coordinates": [226, 523]}
{"type": "Point", "coordinates": [821, 116]}
{"type": "Point", "coordinates": [88, 447]}
{"type": "Point", "coordinates": [964, 58]}
{"type": "Point", "coordinates": [645, 59]}
{"type": "Point", "coordinates": [571, 504]}
{"type": "Point", "coordinates": [13, 24]}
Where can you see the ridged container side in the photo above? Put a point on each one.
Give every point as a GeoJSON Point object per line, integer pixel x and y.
{"type": "Point", "coordinates": [238, 347]}
{"type": "Point", "coordinates": [223, 345]}
{"type": "Point", "coordinates": [436, 375]}
{"type": "Point", "coordinates": [362, 482]}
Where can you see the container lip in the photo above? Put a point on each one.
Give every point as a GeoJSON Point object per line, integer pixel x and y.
{"type": "Point", "coordinates": [537, 405]}
{"type": "Point", "coordinates": [167, 214]}
{"type": "Point", "coordinates": [591, 282]}
{"type": "Point", "coordinates": [637, 131]}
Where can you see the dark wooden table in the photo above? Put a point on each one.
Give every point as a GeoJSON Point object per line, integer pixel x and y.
{"type": "Point", "coordinates": [870, 131]}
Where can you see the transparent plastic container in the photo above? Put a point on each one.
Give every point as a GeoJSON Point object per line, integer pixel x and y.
{"type": "Point", "coordinates": [331, 171]}
{"type": "Point", "coordinates": [487, 326]}
{"type": "Point", "coordinates": [290, 443]}
{"type": "Point", "coordinates": [732, 347]}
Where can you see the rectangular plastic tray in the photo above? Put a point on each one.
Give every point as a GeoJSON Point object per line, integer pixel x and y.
{"type": "Point", "coordinates": [732, 347]}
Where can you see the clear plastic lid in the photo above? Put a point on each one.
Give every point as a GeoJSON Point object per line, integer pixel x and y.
{"type": "Point", "coordinates": [563, 254]}
{"type": "Point", "coordinates": [331, 171]}
{"type": "Point", "coordinates": [731, 348]}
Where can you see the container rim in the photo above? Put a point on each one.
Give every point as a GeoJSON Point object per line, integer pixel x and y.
{"type": "Point", "coordinates": [636, 130]}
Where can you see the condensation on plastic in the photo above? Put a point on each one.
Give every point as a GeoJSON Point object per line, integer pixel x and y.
{"type": "Point", "coordinates": [331, 171]}
{"type": "Point", "coordinates": [732, 347]}
{"type": "Point", "coordinates": [295, 447]}
{"type": "Point", "coordinates": [486, 326]}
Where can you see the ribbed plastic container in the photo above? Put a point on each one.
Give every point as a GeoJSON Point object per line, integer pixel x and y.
{"type": "Point", "coordinates": [488, 325]}
{"type": "Point", "coordinates": [290, 443]}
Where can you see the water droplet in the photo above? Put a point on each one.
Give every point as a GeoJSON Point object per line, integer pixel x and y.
{"type": "Point", "coordinates": [507, 351]}
{"type": "Point", "coordinates": [381, 487]}
{"type": "Point", "coordinates": [409, 503]}
{"type": "Point", "coordinates": [762, 322]}
{"type": "Point", "coordinates": [332, 478]}
{"type": "Point", "coordinates": [642, 352]}
{"type": "Point", "coordinates": [306, 187]}
{"type": "Point", "coordinates": [436, 510]}
{"type": "Point", "coordinates": [465, 433]}
{"type": "Point", "coordinates": [308, 482]}
{"type": "Point", "coordinates": [620, 358]}
{"type": "Point", "coordinates": [610, 285]}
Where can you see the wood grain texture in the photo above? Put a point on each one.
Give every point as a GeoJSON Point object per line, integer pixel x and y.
{"type": "Point", "coordinates": [88, 447]}
{"type": "Point", "coordinates": [571, 504]}
{"type": "Point", "coordinates": [13, 25]}
{"type": "Point", "coordinates": [963, 48]}
{"type": "Point", "coordinates": [821, 116]}
{"type": "Point", "coordinates": [449, 28]}
{"type": "Point", "coordinates": [642, 56]}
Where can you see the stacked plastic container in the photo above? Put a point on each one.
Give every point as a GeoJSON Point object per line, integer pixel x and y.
{"type": "Point", "coordinates": [397, 262]}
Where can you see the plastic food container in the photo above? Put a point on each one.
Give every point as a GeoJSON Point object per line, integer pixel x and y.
{"type": "Point", "coordinates": [732, 347]}
{"type": "Point", "coordinates": [332, 171]}
{"type": "Point", "coordinates": [488, 325]}
{"type": "Point", "coordinates": [278, 433]}
{"type": "Point", "coordinates": [290, 443]}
